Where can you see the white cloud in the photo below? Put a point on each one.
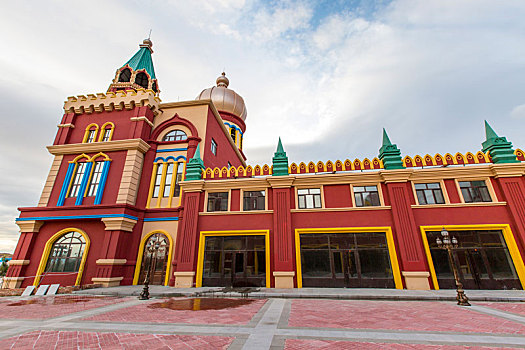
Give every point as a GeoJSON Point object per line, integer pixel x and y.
{"type": "Point", "coordinates": [518, 112]}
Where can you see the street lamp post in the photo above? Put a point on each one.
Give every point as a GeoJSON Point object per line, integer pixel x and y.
{"type": "Point", "coordinates": [449, 243]}
{"type": "Point", "coordinates": [152, 249]}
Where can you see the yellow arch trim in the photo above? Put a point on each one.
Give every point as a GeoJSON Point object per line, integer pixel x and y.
{"type": "Point", "coordinates": [100, 154]}
{"type": "Point", "coordinates": [86, 133]}
{"type": "Point", "coordinates": [77, 158]}
{"type": "Point", "coordinates": [204, 234]}
{"type": "Point", "coordinates": [141, 253]}
{"type": "Point", "coordinates": [47, 251]}
{"type": "Point", "coordinates": [508, 236]}
{"type": "Point", "coordinates": [103, 128]}
{"type": "Point", "coordinates": [389, 239]}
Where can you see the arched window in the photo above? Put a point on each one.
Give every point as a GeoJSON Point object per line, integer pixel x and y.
{"type": "Point", "coordinates": [233, 134]}
{"type": "Point", "coordinates": [175, 135]}
{"type": "Point", "coordinates": [106, 132]}
{"type": "Point", "coordinates": [90, 135]}
{"type": "Point", "coordinates": [125, 76]}
{"type": "Point", "coordinates": [142, 80]}
{"type": "Point", "coordinates": [165, 180]}
{"type": "Point", "coordinates": [154, 86]}
{"type": "Point", "coordinates": [66, 253]}
{"type": "Point", "coordinates": [78, 177]}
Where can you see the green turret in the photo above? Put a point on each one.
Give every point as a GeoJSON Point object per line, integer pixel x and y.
{"type": "Point", "coordinates": [280, 161]}
{"type": "Point", "coordinates": [195, 167]}
{"type": "Point", "coordinates": [499, 148]}
{"type": "Point", "coordinates": [390, 154]}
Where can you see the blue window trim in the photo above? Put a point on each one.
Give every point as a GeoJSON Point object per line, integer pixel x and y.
{"type": "Point", "coordinates": [235, 127]}
{"type": "Point", "coordinates": [70, 217]}
{"type": "Point", "coordinates": [102, 184]}
{"type": "Point", "coordinates": [171, 150]}
{"type": "Point", "coordinates": [65, 185]}
{"type": "Point", "coordinates": [83, 185]}
{"type": "Point", "coordinates": [174, 218]}
{"type": "Point", "coordinates": [169, 158]}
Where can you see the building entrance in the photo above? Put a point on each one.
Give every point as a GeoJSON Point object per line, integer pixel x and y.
{"type": "Point", "coordinates": [155, 259]}
{"type": "Point", "coordinates": [482, 259]}
{"type": "Point", "coordinates": [353, 260]}
{"type": "Point", "coordinates": [234, 261]}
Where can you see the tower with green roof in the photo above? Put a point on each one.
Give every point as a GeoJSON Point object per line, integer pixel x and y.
{"type": "Point", "coordinates": [138, 72]}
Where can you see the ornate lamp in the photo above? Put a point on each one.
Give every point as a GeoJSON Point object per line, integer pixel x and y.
{"type": "Point", "coordinates": [448, 243]}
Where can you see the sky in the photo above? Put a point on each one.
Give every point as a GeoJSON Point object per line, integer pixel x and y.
{"type": "Point", "coordinates": [325, 76]}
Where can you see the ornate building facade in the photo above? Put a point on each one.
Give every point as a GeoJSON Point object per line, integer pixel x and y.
{"type": "Point", "coordinates": [139, 186]}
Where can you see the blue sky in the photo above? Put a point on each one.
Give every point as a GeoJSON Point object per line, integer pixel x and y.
{"type": "Point", "coordinates": [325, 76]}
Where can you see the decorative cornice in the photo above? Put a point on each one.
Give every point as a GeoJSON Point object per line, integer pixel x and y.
{"type": "Point", "coordinates": [30, 225]}
{"type": "Point", "coordinates": [396, 175]}
{"type": "Point", "coordinates": [138, 119]}
{"type": "Point", "coordinates": [119, 224]}
{"type": "Point", "coordinates": [120, 100]}
{"type": "Point", "coordinates": [192, 186]}
{"type": "Point", "coordinates": [281, 181]}
{"type": "Point", "coordinates": [106, 146]}
{"type": "Point", "coordinates": [18, 262]}
{"type": "Point", "coordinates": [507, 169]}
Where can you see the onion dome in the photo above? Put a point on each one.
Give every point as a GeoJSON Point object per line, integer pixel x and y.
{"type": "Point", "coordinates": [224, 99]}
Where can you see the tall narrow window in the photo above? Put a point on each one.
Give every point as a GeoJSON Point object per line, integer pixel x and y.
{"type": "Point", "coordinates": [91, 136]}
{"type": "Point", "coordinates": [95, 179]}
{"type": "Point", "coordinates": [180, 169]}
{"type": "Point", "coordinates": [158, 179]}
{"type": "Point", "coordinates": [107, 134]}
{"type": "Point", "coordinates": [167, 182]}
{"type": "Point", "coordinates": [77, 179]}
{"type": "Point", "coordinates": [233, 134]}
{"type": "Point", "coordinates": [213, 147]}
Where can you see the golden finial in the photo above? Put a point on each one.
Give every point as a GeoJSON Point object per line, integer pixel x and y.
{"type": "Point", "coordinates": [223, 81]}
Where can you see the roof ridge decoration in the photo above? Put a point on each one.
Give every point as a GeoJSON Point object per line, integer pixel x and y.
{"type": "Point", "coordinates": [195, 167]}
{"type": "Point", "coordinates": [389, 154]}
{"type": "Point", "coordinates": [280, 161]}
{"type": "Point", "coordinates": [500, 149]}
{"type": "Point", "coordinates": [120, 100]}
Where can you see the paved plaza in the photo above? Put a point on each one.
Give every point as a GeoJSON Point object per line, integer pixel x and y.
{"type": "Point", "coordinates": [110, 322]}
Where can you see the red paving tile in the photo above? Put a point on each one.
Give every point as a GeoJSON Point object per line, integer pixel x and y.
{"type": "Point", "coordinates": [48, 307]}
{"type": "Point", "coordinates": [399, 315]}
{"type": "Point", "coordinates": [308, 344]}
{"type": "Point", "coordinates": [43, 340]}
{"type": "Point", "coordinates": [145, 313]}
{"type": "Point", "coordinates": [516, 308]}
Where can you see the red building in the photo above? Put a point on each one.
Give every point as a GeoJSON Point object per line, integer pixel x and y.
{"type": "Point", "coordinates": [140, 185]}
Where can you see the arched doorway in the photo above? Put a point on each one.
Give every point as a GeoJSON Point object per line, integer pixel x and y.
{"type": "Point", "coordinates": [155, 259]}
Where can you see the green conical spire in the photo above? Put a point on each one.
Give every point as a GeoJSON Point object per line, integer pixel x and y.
{"type": "Point", "coordinates": [499, 148]}
{"type": "Point", "coordinates": [195, 167]}
{"type": "Point", "coordinates": [280, 161]}
{"type": "Point", "coordinates": [390, 154]}
{"type": "Point", "coordinates": [142, 59]}
{"type": "Point", "coordinates": [489, 132]}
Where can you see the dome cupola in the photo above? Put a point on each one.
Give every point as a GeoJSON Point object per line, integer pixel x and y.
{"type": "Point", "coordinates": [224, 99]}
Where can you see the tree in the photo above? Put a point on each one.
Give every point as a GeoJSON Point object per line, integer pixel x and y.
{"type": "Point", "coordinates": [3, 268]}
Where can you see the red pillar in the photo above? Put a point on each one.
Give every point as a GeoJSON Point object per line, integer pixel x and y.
{"type": "Point", "coordinates": [407, 236]}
